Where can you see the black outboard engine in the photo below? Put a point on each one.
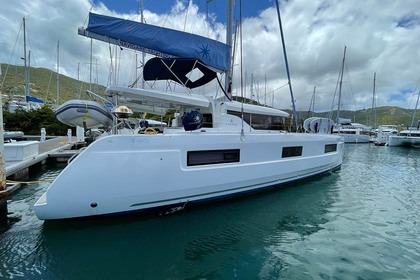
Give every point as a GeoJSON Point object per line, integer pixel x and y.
{"type": "Point", "coordinates": [192, 120]}
{"type": "Point", "coordinates": [144, 124]}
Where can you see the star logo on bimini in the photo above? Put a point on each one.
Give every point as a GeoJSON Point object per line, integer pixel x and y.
{"type": "Point", "coordinates": [204, 51]}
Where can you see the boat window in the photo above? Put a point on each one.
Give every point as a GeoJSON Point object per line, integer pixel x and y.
{"type": "Point", "coordinates": [262, 122]}
{"type": "Point", "coordinates": [212, 157]}
{"type": "Point", "coordinates": [330, 148]}
{"type": "Point", "coordinates": [292, 151]}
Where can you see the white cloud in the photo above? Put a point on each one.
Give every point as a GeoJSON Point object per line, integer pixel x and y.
{"type": "Point", "coordinates": [381, 37]}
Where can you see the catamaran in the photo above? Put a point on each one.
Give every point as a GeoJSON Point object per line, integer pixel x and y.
{"type": "Point", "coordinates": [409, 137]}
{"type": "Point", "coordinates": [214, 148]}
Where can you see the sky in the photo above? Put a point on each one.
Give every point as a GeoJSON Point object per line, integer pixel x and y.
{"type": "Point", "coordinates": [381, 37]}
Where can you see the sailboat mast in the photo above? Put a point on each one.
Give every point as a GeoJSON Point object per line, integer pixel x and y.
{"type": "Point", "coordinates": [287, 65]}
{"type": "Point", "coordinates": [341, 84]}
{"type": "Point", "coordinates": [415, 109]}
{"type": "Point", "coordinates": [29, 74]}
{"type": "Point", "coordinates": [143, 54]}
{"type": "Point", "coordinates": [24, 59]}
{"type": "Point", "coordinates": [229, 32]}
{"type": "Point", "coordinates": [374, 99]}
{"type": "Point", "coordinates": [58, 72]}
{"type": "Point", "coordinates": [90, 65]}
{"type": "Point", "coordinates": [312, 104]}
{"type": "Point", "coordinates": [265, 90]}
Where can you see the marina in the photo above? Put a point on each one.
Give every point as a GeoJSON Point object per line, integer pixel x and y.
{"type": "Point", "coordinates": [358, 222]}
{"type": "Point", "coordinates": [193, 157]}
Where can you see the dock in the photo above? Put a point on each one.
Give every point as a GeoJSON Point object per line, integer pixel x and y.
{"type": "Point", "coordinates": [57, 147]}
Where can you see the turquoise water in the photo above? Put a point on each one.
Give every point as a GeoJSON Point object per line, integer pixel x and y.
{"type": "Point", "coordinates": [359, 222]}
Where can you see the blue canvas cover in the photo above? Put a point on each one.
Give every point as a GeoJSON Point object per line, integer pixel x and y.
{"type": "Point", "coordinates": [177, 69]}
{"type": "Point", "coordinates": [157, 40]}
{"type": "Point", "coordinates": [33, 99]}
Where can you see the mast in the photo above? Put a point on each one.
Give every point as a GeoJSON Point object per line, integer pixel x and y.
{"type": "Point", "coordinates": [58, 73]}
{"type": "Point", "coordinates": [90, 68]}
{"type": "Point", "coordinates": [340, 85]}
{"type": "Point", "coordinates": [287, 65]}
{"type": "Point", "coordinates": [143, 54]}
{"type": "Point", "coordinates": [29, 74]}
{"type": "Point", "coordinates": [229, 30]}
{"type": "Point", "coordinates": [374, 100]}
{"type": "Point", "coordinates": [312, 104]}
{"type": "Point", "coordinates": [24, 59]}
{"type": "Point", "coordinates": [265, 89]}
{"type": "Point", "coordinates": [415, 109]}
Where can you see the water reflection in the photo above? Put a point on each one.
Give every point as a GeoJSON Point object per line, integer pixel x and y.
{"type": "Point", "coordinates": [215, 241]}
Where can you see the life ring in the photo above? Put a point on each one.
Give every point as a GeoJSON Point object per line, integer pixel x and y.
{"type": "Point", "coordinates": [150, 130]}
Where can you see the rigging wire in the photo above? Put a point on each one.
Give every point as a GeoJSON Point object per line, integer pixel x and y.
{"type": "Point", "coordinates": [241, 58]}
{"type": "Point", "coordinates": [51, 74]}
{"type": "Point", "coordinates": [10, 58]}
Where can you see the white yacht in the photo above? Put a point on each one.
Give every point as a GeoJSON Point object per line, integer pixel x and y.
{"type": "Point", "coordinates": [225, 157]}
{"type": "Point", "coordinates": [409, 137]}
{"type": "Point", "coordinates": [352, 132]}
{"type": "Point", "coordinates": [214, 148]}
{"type": "Point", "coordinates": [383, 132]}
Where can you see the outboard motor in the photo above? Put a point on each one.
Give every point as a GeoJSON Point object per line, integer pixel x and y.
{"type": "Point", "coordinates": [192, 120]}
{"type": "Point", "coordinates": [144, 124]}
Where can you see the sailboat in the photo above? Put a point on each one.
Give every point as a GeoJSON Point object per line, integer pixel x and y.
{"type": "Point", "coordinates": [409, 137]}
{"type": "Point", "coordinates": [26, 102]}
{"type": "Point", "coordinates": [214, 149]}
{"type": "Point", "coordinates": [351, 132]}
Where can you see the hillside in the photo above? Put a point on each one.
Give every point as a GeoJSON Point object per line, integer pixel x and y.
{"type": "Point", "coordinates": [43, 86]}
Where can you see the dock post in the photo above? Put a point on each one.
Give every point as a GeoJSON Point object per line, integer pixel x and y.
{"type": "Point", "coordinates": [69, 136]}
{"type": "Point", "coordinates": [80, 134]}
{"type": "Point", "coordinates": [43, 135]}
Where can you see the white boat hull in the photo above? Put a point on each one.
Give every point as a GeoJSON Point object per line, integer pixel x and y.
{"type": "Point", "coordinates": [355, 138]}
{"type": "Point", "coordinates": [153, 171]}
{"type": "Point", "coordinates": [84, 113]}
{"type": "Point", "coordinates": [395, 141]}
{"type": "Point", "coordinates": [384, 132]}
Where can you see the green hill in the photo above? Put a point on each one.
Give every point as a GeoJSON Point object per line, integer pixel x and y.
{"type": "Point", "coordinates": [44, 86]}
